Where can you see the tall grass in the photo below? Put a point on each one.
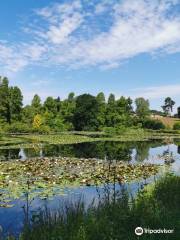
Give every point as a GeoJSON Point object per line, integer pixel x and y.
{"type": "Point", "coordinates": [114, 217]}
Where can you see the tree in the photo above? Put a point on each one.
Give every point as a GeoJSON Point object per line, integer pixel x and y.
{"type": "Point", "coordinates": [111, 111]}
{"type": "Point", "coordinates": [59, 124]}
{"type": "Point", "coordinates": [10, 101]}
{"type": "Point", "coordinates": [5, 111]}
{"type": "Point", "coordinates": [101, 98]}
{"type": "Point", "coordinates": [142, 107]}
{"type": "Point", "coordinates": [50, 105]}
{"type": "Point", "coordinates": [168, 106]}
{"type": "Point", "coordinates": [102, 109]}
{"type": "Point", "coordinates": [124, 106]}
{"type": "Point", "coordinates": [27, 115]}
{"type": "Point", "coordinates": [178, 112]}
{"type": "Point", "coordinates": [118, 112]}
{"type": "Point", "coordinates": [16, 103]}
{"type": "Point", "coordinates": [58, 104]}
{"type": "Point", "coordinates": [67, 109]}
{"type": "Point", "coordinates": [37, 122]}
{"type": "Point", "coordinates": [48, 118]}
{"type": "Point", "coordinates": [123, 112]}
{"type": "Point", "coordinates": [36, 104]}
{"type": "Point", "coordinates": [111, 100]}
{"type": "Point", "coordinates": [86, 112]}
{"type": "Point", "coordinates": [71, 96]}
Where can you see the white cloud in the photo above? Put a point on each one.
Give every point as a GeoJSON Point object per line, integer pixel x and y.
{"type": "Point", "coordinates": [40, 83]}
{"type": "Point", "coordinates": [59, 11]}
{"type": "Point", "coordinates": [156, 92]}
{"type": "Point", "coordinates": [103, 6]}
{"type": "Point", "coordinates": [16, 57]}
{"type": "Point", "coordinates": [75, 35]}
{"type": "Point", "coordinates": [59, 34]}
{"type": "Point", "coordinates": [10, 59]}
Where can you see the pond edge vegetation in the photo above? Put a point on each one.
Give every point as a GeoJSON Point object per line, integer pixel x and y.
{"type": "Point", "coordinates": [114, 217]}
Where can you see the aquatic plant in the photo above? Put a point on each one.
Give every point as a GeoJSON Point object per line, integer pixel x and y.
{"type": "Point", "coordinates": [27, 141]}
{"type": "Point", "coordinates": [45, 177]}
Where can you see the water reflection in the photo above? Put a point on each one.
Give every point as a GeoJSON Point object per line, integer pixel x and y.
{"type": "Point", "coordinates": [151, 152]}
{"type": "Point", "coordinates": [100, 150]}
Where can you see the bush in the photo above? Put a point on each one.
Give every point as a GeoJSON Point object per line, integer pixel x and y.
{"type": "Point", "coordinates": [176, 126]}
{"type": "Point", "coordinates": [17, 127]}
{"type": "Point", "coordinates": [120, 129]}
{"type": "Point", "coordinates": [1, 132]}
{"type": "Point", "coordinates": [153, 124]}
{"type": "Point", "coordinates": [43, 129]}
{"type": "Point", "coordinates": [109, 131]}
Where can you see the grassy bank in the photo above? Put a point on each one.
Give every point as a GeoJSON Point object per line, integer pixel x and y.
{"type": "Point", "coordinates": [157, 206]}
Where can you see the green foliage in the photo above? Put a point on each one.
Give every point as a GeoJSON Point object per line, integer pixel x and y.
{"type": "Point", "coordinates": [81, 113]}
{"type": "Point", "coordinates": [115, 216]}
{"type": "Point", "coordinates": [10, 101]}
{"type": "Point", "coordinates": [59, 124]}
{"type": "Point", "coordinates": [50, 105]}
{"type": "Point", "coordinates": [28, 115]}
{"type": "Point", "coordinates": [71, 97]}
{"type": "Point", "coordinates": [176, 126]}
{"type": "Point", "coordinates": [43, 129]}
{"type": "Point", "coordinates": [36, 104]}
{"type": "Point", "coordinates": [16, 104]}
{"type": "Point", "coordinates": [119, 112]}
{"type": "Point", "coordinates": [168, 106]}
{"type": "Point", "coordinates": [142, 108]}
{"type": "Point", "coordinates": [67, 110]}
{"type": "Point", "coordinates": [101, 116]}
{"type": "Point", "coordinates": [111, 131]}
{"type": "Point", "coordinates": [159, 205]}
{"type": "Point", "coordinates": [86, 113]}
{"type": "Point", "coordinates": [17, 127]}
{"type": "Point", "coordinates": [1, 133]}
{"type": "Point", "coordinates": [4, 99]}
{"type": "Point", "coordinates": [153, 124]}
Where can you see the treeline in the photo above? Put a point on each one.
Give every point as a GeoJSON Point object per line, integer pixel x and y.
{"type": "Point", "coordinates": [81, 113]}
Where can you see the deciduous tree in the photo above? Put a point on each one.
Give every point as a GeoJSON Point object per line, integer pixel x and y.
{"type": "Point", "coordinates": [142, 107]}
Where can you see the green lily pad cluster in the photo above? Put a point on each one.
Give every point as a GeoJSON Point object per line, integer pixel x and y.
{"type": "Point", "coordinates": [46, 177]}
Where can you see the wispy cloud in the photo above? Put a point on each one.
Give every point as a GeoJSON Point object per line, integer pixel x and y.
{"type": "Point", "coordinates": [40, 83]}
{"type": "Point", "coordinates": [156, 92]}
{"type": "Point", "coordinates": [17, 56]}
{"type": "Point", "coordinates": [80, 34]}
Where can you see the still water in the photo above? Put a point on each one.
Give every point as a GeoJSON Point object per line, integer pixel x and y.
{"type": "Point", "coordinates": [155, 152]}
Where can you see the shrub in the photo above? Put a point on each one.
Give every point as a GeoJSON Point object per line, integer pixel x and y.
{"type": "Point", "coordinates": [153, 124]}
{"type": "Point", "coordinates": [17, 127]}
{"type": "Point", "coordinates": [109, 131]}
{"type": "Point", "coordinates": [120, 129]}
{"type": "Point", "coordinates": [43, 129]}
{"type": "Point", "coordinates": [176, 126]}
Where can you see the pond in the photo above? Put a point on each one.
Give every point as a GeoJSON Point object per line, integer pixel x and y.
{"type": "Point", "coordinates": [51, 174]}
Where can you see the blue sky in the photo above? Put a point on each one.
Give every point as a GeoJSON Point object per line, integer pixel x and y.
{"type": "Point", "coordinates": [127, 47]}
